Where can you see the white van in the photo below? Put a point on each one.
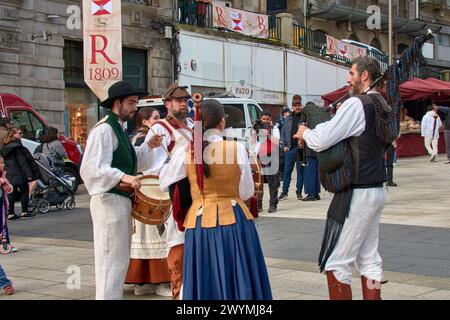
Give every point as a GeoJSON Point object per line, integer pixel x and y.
{"type": "Point", "coordinates": [250, 109]}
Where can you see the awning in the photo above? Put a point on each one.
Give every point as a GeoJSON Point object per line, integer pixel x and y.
{"type": "Point", "coordinates": [413, 89]}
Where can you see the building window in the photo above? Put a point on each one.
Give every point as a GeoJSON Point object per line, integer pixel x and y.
{"type": "Point", "coordinates": [443, 40]}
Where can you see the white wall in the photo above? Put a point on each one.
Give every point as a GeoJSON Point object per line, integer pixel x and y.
{"type": "Point", "coordinates": [224, 62]}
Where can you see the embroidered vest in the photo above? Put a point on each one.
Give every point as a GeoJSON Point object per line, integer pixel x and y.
{"type": "Point", "coordinates": [220, 188]}
{"type": "Point", "coordinates": [124, 157]}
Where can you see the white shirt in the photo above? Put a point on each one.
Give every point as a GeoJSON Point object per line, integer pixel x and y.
{"type": "Point", "coordinates": [96, 171]}
{"type": "Point", "coordinates": [349, 121]}
{"type": "Point", "coordinates": [159, 155]}
{"type": "Point", "coordinates": [426, 127]}
{"type": "Point", "coordinates": [176, 170]}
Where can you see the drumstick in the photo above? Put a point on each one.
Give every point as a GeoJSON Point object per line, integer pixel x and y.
{"type": "Point", "coordinates": [164, 148]}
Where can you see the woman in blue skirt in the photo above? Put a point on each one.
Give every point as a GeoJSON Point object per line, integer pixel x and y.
{"type": "Point", "coordinates": [223, 259]}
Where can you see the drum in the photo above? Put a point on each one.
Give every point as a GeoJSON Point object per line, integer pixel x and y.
{"type": "Point", "coordinates": [151, 205]}
{"type": "Point", "coordinates": [258, 179]}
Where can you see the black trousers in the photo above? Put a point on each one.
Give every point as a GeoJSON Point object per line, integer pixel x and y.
{"type": "Point", "coordinates": [274, 184]}
{"type": "Point", "coordinates": [390, 152]}
{"type": "Point", "coordinates": [21, 191]}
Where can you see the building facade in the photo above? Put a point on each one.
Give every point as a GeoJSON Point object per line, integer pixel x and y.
{"type": "Point", "coordinates": [41, 56]}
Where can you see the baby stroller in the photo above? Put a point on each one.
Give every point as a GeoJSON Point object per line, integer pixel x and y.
{"type": "Point", "coordinates": [54, 189]}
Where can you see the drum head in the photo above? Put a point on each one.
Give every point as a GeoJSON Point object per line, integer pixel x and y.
{"type": "Point", "coordinates": [150, 188]}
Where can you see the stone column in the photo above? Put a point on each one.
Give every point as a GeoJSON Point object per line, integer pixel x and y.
{"type": "Point", "coordinates": [287, 35]}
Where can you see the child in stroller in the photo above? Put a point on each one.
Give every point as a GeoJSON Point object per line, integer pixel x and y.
{"type": "Point", "coordinates": [53, 190]}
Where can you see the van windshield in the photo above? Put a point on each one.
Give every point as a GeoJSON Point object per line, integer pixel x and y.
{"type": "Point", "coordinates": [28, 123]}
{"type": "Point", "coordinates": [236, 115]}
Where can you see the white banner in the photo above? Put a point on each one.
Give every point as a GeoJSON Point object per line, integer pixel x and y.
{"type": "Point", "coordinates": [248, 23]}
{"type": "Point", "coordinates": [343, 49]}
{"type": "Point", "coordinates": [102, 34]}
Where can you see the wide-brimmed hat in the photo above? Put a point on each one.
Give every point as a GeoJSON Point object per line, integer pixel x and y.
{"type": "Point", "coordinates": [119, 90]}
{"type": "Point", "coordinates": [176, 91]}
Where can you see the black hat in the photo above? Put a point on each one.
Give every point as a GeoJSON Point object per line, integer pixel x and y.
{"type": "Point", "coordinates": [120, 90]}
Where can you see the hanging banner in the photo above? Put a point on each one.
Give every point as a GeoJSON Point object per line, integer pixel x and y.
{"type": "Point", "coordinates": [102, 34]}
{"type": "Point", "coordinates": [248, 23]}
{"type": "Point", "coordinates": [341, 49]}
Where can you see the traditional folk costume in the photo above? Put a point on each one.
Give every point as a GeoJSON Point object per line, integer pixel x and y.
{"type": "Point", "coordinates": [148, 263]}
{"type": "Point", "coordinates": [351, 232]}
{"type": "Point", "coordinates": [222, 256]}
{"type": "Point", "coordinates": [174, 138]}
{"type": "Point", "coordinates": [109, 155]}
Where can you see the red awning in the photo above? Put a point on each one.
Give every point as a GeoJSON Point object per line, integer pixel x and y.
{"type": "Point", "coordinates": [413, 89]}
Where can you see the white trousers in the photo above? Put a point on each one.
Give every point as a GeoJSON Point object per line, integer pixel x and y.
{"type": "Point", "coordinates": [358, 243]}
{"type": "Point", "coordinates": [111, 218]}
{"type": "Point", "coordinates": [431, 145]}
{"type": "Point", "coordinates": [175, 237]}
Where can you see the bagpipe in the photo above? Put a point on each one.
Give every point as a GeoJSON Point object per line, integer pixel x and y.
{"type": "Point", "coordinates": [335, 163]}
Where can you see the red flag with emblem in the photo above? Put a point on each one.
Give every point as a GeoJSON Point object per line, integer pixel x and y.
{"type": "Point", "coordinates": [101, 7]}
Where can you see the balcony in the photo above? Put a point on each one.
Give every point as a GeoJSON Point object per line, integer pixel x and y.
{"type": "Point", "coordinates": [200, 14]}
{"type": "Point", "coordinates": [356, 12]}
{"type": "Point", "coordinates": [315, 42]}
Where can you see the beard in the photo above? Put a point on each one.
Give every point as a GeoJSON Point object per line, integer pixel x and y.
{"type": "Point", "coordinates": [126, 116]}
{"type": "Point", "coordinates": [179, 115]}
{"type": "Point", "coordinates": [356, 89]}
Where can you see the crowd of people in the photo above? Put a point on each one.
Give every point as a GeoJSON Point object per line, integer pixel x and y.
{"type": "Point", "coordinates": [19, 175]}
{"type": "Point", "coordinates": [208, 248]}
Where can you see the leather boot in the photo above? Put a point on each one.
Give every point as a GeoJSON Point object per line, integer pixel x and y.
{"type": "Point", "coordinates": [371, 289]}
{"type": "Point", "coordinates": [338, 290]}
{"type": "Point", "coordinates": [175, 265]}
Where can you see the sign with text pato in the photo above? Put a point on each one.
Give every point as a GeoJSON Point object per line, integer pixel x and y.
{"type": "Point", "coordinates": [102, 42]}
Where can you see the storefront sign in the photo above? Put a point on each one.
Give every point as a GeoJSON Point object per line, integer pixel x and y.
{"type": "Point", "coordinates": [343, 49]}
{"type": "Point", "coordinates": [248, 23]}
{"type": "Point", "coordinates": [268, 97]}
{"type": "Point", "coordinates": [241, 90]}
{"type": "Point", "coordinates": [102, 34]}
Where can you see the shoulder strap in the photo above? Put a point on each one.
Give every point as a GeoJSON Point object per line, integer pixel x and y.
{"type": "Point", "coordinates": [169, 129]}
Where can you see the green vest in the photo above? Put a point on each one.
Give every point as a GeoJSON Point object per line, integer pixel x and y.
{"type": "Point", "coordinates": [124, 158]}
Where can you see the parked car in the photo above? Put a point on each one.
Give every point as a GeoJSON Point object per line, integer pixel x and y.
{"type": "Point", "coordinates": [250, 110]}
{"type": "Point", "coordinates": [33, 125]}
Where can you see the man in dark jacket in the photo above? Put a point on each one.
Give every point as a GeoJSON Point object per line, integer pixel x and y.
{"type": "Point", "coordinates": [289, 146]}
{"type": "Point", "coordinates": [21, 169]}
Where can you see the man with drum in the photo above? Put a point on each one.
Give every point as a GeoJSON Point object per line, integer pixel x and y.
{"type": "Point", "coordinates": [176, 130]}
{"type": "Point", "coordinates": [108, 161]}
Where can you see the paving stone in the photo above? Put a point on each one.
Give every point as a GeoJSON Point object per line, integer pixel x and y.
{"type": "Point", "coordinates": [436, 295]}
{"type": "Point", "coordinates": [61, 290]}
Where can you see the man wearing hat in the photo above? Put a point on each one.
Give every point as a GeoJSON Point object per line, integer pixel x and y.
{"type": "Point", "coordinates": [109, 160]}
{"type": "Point", "coordinates": [176, 130]}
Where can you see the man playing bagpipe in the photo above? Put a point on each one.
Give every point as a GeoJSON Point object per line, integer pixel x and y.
{"type": "Point", "coordinates": [351, 232]}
